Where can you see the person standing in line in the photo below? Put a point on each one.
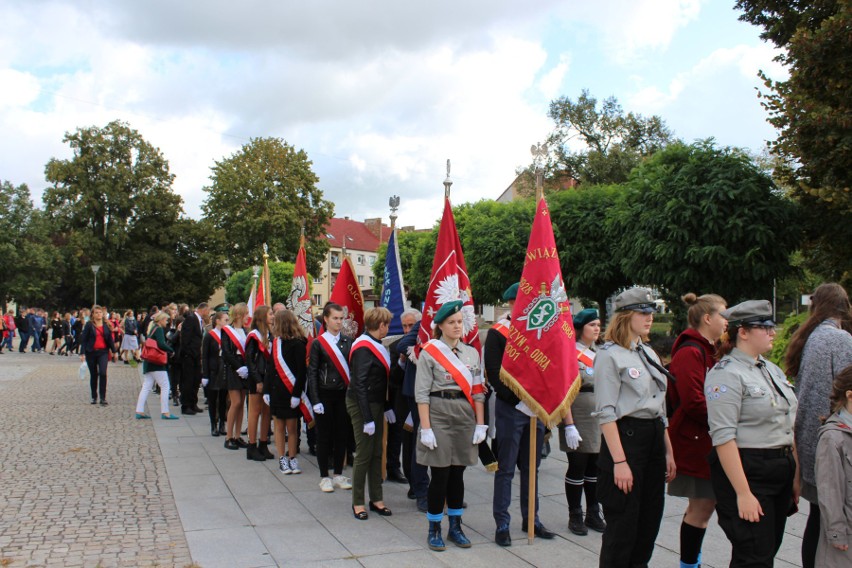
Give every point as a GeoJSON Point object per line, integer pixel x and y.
{"type": "Point", "coordinates": [154, 373]}
{"type": "Point", "coordinates": [236, 373]}
{"type": "Point", "coordinates": [328, 379]}
{"type": "Point", "coordinates": [751, 409]}
{"type": "Point", "coordinates": [284, 382]}
{"type": "Point", "coordinates": [580, 433]}
{"type": "Point", "coordinates": [213, 374]}
{"type": "Point", "coordinates": [398, 439]}
{"type": "Point", "coordinates": [191, 336]}
{"type": "Point", "coordinates": [636, 458]}
{"type": "Point", "coordinates": [368, 405]}
{"type": "Point", "coordinates": [95, 346]}
{"type": "Point", "coordinates": [817, 352]}
{"type": "Point", "coordinates": [450, 398]}
{"type": "Point", "coordinates": [418, 477]}
{"type": "Point", "coordinates": [258, 360]}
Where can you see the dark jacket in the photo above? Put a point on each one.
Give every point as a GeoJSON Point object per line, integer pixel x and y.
{"type": "Point", "coordinates": [131, 326]}
{"type": "Point", "coordinates": [688, 429]}
{"type": "Point", "coordinates": [397, 372]}
{"type": "Point", "coordinates": [22, 323]}
{"type": "Point", "coordinates": [191, 335]}
{"type": "Point", "coordinates": [294, 353]}
{"type": "Point", "coordinates": [87, 339]}
{"type": "Point", "coordinates": [408, 340]}
{"type": "Point", "coordinates": [232, 360]}
{"type": "Point", "coordinates": [211, 363]}
{"type": "Point", "coordinates": [56, 328]}
{"type": "Point", "coordinates": [257, 360]}
{"type": "Point", "coordinates": [322, 373]}
{"type": "Point", "coordinates": [159, 335]}
{"type": "Point", "coordinates": [495, 345]}
{"type": "Point", "coordinates": [368, 382]}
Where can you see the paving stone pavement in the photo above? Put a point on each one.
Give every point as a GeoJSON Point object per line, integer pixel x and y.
{"type": "Point", "coordinates": [232, 512]}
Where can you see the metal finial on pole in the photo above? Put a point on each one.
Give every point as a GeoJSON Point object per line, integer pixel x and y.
{"type": "Point", "coordinates": [302, 235]}
{"type": "Point", "coordinates": [539, 153]}
{"type": "Point", "coordinates": [447, 182]}
{"type": "Point", "coordinates": [343, 248]}
{"type": "Point", "coordinates": [393, 202]}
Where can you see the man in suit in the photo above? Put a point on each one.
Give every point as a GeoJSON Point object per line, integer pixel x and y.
{"type": "Point", "coordinates": [191, 334]}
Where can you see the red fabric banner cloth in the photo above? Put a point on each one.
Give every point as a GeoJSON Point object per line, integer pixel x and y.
{"type": "Point", "coordinates": [299, 300]}
{"type": "Point", "coordinates": [347, 294]}
{"type": "Point", "coordinates": [449, 282]}
{"type": "Point", "coordinates": [540, 361]}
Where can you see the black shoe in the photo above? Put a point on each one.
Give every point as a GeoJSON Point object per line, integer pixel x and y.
{"type": "Point", "coordinates": [383, 511]}
{"type": "Point", "coordinates": [94, 401]}
{"type": "Point", "coordinates": [502, 537]}
{"type": "Point", "coordinates": [575, 522]}
{"type": "Point", "coordinates": [188, 411]}
{"type": "Point", "coordinates": [422, 505]}
{"type": "Point", "coordinates": [252, 453]}
{"type": "Point", "coordinates": [231, 445]}
{"type": "Point", "coordinates": [214, 432]}
{"type": "Point", "coordinates": [104, 403]}
{"type": "Point", "coordinates": [197, 409]}
{"type": "Point", "coordinates": [263, 448]}
{"type": "Point", "coordinates": [540, 531]}
{"type": "Point", "coordinates": [411, 494]}
{"type": "Point", "coordinates": [594, 519]}
{"type": "Point", "coordinates": [396, 476]}
{"type": "Point", "coordinates": [222, 430]}
{"type": "Point", "coordinates": [240, 443]}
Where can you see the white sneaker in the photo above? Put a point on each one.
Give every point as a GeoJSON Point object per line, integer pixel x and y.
{"type": "Point", "coordinates": [294, 465]}
{"type": "Point", "coordinates": [342, 482]}
{"type": "Point", "coordinates": [284, 465]}
{"type": "Point", "coordinates": [325, 485]}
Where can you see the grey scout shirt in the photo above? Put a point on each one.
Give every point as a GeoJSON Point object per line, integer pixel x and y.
{"type": "Point", "coordinates": [751, 401]}
{"type": "Point", "coordinates": [431, 376]}
{"type": "Point", "coordinates": [627, 385]}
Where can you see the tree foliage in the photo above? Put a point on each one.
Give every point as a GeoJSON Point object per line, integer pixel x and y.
{"type": "Point", "coordinates": [262, 194]}
{"type": "Point", "coordinates": [239, 285]}
{"type": "Point", "coordinates": [704, 219]}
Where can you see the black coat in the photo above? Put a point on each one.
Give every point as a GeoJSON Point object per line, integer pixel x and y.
{"type": "Point", "coordinates": [293, 351]}
{"type": "Point", "coordinates": [256, 359]}
{"type": "Point", "coordinates": [232, 360]}
{"type": "Point", "coordinates": [322, 373]}
{"type": "Point", "coordinates": [211, 363]}
{"type": "Point", "coordinates": [87, 339]}
{"type": "Point", "coordinates": [191, 335]}
{"type": "Point", "coordinates": [495, 345]}
{"type": "Point", "coordinates": [369, 381]}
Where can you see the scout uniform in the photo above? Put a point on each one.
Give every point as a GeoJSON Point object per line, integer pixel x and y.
{"type": "Point", "coordinates": [750, 401]}
{"type": "Point", "coordinates": [630, 390]}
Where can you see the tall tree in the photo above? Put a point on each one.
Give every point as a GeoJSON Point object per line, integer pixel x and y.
{"type": "Point", "coordinates": [262, 194]}
{"type": "Point", "coordinates": [698, 218]}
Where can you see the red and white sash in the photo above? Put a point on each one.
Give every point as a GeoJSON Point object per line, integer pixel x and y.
{"type": "Point", "coordinates": [329, 344]}
{"type": "Point", "coordinates": [257, 336]}
{"type": "Point", "coordinates": [502, 327]}
{"type": "Point", "coordinates": [586, 357]}
{"type": "Point", "coordinates": [289, 379]}
{"type": "Point", "coordinates": [239, 342]}
{"type": "Point", "coordinates": [445, 357]}
{"type": "Point", "coordinates": [217, 335]}
{"type": "Point", "coordinates": [379, 350]}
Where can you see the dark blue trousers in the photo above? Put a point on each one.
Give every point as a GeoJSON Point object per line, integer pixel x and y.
{"type": "Point", "coordinates": [419, 479]}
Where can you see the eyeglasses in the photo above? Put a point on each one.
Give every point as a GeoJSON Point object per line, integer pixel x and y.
{"type": "Point", "coordinates": [767, 328]}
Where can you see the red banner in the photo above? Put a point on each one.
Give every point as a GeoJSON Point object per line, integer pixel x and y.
{"type": "Point", "coordinates": [540, 361]}
{"type": "Point", "coordinates": [449, 282]}
{"type": "Point", "coordinates": [299, 300]}
{"type": "Point", "coordinates": [347, 293]}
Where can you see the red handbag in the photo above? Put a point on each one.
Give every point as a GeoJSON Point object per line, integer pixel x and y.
{"type": "Point", "coordinates": [151, 352]}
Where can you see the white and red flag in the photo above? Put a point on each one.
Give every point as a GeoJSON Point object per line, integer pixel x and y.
{"type": "Point", "coordinates": [449, 282]}
{"type": "Point", "coordinates": [348, 295]}
{"type": "Point", "coordinates": [299, 300]}
{"type": "Point", "coordinates": [540, 361]}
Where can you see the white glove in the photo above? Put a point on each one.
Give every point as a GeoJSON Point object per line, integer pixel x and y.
{"type": "Point", "coordinates": [390, 416]}
{"type": "Point", "coordinates": [427, 438]}
{"type": "Point", "coordinates": [524, 408]}
{"type": "Point", "coordinates": [479, 434]}
{"type": "Point", "coordinates": [572, 437]}
{"type": "Point", "coordinates": [370, 428]}
{"type": "Point", "coordinates": [295, 401]}
{"type": "Point", "coordinates": [266, 399]}
{"type": "Point", "coordinates": [243, 372]}
{"type": "Point", "coordinates": [412, 356]}
{"type": "Point", "coordinates": [319, 408]}
{"type": "Point", "coordinates": [204, 382]}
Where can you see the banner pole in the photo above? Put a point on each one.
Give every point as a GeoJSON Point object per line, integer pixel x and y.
{"type": "Point", "coordinates": [532, 488]}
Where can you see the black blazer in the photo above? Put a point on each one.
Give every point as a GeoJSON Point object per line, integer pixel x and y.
{"type": "Point", "coordinates": [191, 335]}
{"type": "Point", "coordinates": [322, 374]}
{"type": "Point", "coordinates": [232, 360]}
{"type": "Point", "coordinates": [87, 338]}
{"type": "Point", "coordinates": [369, 382]}
{"type": "Point", "coordinates": [293, 351]}
{"type": "Point", "coordinates": [256, 360]}
{"type": "Point", "coordinates": [211, 363]}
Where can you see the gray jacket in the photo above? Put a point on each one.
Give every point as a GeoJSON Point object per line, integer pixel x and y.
{"type": "Point", "coordinates": [834, 477]}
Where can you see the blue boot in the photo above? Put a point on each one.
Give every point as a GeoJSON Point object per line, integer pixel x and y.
{"type": "Point", "coordinates": [455, 534]}
{"type": "Point", "coordinates": [435, 540]}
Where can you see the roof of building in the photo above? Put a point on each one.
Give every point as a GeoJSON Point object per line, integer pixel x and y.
{"type": "Point", "coordinates": [358, 235]}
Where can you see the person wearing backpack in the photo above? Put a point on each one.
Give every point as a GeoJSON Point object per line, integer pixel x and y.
{"type": "Point", "coordinates": [693, 355]}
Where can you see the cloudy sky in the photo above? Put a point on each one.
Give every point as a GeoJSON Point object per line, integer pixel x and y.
{"type": "Point", "coordinates": [379, 93]}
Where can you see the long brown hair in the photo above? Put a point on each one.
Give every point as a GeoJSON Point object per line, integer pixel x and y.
{"type": "Point", "coordinates": [828, 301]}
{"type": "Point", "coordinates": [841, 384]}
{"type": "Point", "coordinates": [287, 326]}
{"type": "Point", "coordinates": [258, 322]}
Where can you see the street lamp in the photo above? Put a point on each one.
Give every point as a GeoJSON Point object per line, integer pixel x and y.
{"type": "Point", "coordinates": [227, 271]}
{"type": "Point", "coordinates": [95, 268]}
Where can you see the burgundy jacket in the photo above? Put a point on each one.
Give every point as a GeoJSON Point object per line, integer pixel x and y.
{"type": "Point", "coordinates": [688, 430]}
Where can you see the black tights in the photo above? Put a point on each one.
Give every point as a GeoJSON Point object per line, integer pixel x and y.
{"type": "Point", "coordinates": [333, 430]}
{"type": "Point", "coordinates": [217, 400]}
{"type": "Point", "coordinates": [810, 539]}
{"type": "Point", "coordinates": [582, 475]}
{"type": "Point", "coordinates": [447, 485]}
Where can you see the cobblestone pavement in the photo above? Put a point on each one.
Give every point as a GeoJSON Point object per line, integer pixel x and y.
{"type": "Point", "coordinates": [82, 485]}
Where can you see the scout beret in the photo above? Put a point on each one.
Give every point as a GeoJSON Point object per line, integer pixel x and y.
{"type": "Point", "coordinates": [511, 292]}
{"type": "Point", "coordinates": [585, 316]}
{"type": "Point", "coordinates": [635, 300]}
{"type": "Point", "coordinates": [754, 312]}
{"type": "Point", "coordinates": [447, 310]}
{"type": "Point", "coordinates": [223, 307]}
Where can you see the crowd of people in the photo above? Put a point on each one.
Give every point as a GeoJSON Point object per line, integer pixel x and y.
{"type": "Point", "coordinates": [720, 425]}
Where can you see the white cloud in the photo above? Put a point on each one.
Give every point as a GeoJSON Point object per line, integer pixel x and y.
{"type": "Point", "coordinates": [551, 82]}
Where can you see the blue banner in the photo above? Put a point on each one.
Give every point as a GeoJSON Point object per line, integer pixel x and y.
{"type": "Point", "coordinates": [393, 293]}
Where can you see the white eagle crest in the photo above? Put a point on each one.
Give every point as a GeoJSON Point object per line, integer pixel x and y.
{"type": "Point", "coordinates": [557, 290]}
{"type": "Point", "coordinates": [447, 291]}
{"type": "Point", "coordinates": [350, 326]}
{"type": "Point", "coordinates": [301, 308]}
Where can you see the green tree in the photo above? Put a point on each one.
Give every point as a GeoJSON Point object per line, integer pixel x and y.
{"type": "Point", "coordinates": [704, 219]}
{"type": "Point", "coordinates": [27, 259]}
{"type": "Point", "coordinates": [614, 142]}
{"type": "Point", "coordinates": [262, 194]}
{"type": "Point", "coordinates": [239, 285]}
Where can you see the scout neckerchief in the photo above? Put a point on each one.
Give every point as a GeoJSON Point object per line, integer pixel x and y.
{"type": "Point", "coordinates": [217, 335]}
{"type": "Point", "coordinates": [257, 336]}
{"type": "Point", "coordinates": [451, 363]}
{"type": "Point", "coordinates": [289, 379]}
{"type": "Point", "coordinates": [238, 342]}
{"type": "Point", "coordinates": [329, 344]}
{"type": "Point", "coordinates": [379, 350]}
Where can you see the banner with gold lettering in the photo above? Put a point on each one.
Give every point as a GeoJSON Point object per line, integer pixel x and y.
{"type": "Point", "coordinates": [347, 293]}
{"type": "Point", "coordinates": [540, 361]}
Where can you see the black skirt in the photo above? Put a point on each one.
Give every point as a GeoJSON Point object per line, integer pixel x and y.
{"type": "Point", "coordinates": [285, 412]}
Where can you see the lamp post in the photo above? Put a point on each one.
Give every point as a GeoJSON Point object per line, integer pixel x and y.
{"type": "Point", "coordinates": [227, 271]}
{"type": "Point", "coordinates": [95, 268]}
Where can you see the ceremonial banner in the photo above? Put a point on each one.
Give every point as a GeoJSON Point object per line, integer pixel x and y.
{"type": "Point", "coordinates": [299, 300]}
{"type": "Point", "coordinates": [449, 281]}
{"type": "Point", "coordinates": [250, 303]}
{"type": "Point", "coordinates": [347, 293]}
{"type": "Point", "coordinates": [540, 361]}
{"type": "Point", "coordinates": [393, 293]}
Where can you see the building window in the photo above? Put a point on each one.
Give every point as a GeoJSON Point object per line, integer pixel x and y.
{"type": "Point", "coordinates": [361, 259]}
{"type": "Point", "coordinates": [318, 279]}
{"type": "Point", "coordinates": [318, 300]}
{"type": "Point", "coordinates": [335, 261]}
{"type": "Point", "coordinates": [372, 280]}
{"type": "Point", "coordinates": [372, 260]}
{"type": "Point", "coordinates": [360, 280]}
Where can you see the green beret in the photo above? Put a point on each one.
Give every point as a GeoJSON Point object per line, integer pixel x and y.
{"type": "Point", "coordinates": [635, 300]}
{"type": "Point", "coordinates": [223, 307]}
{"type": "Point", "coordinates": [447, 310]}
{"type": "Point", "coordinates": [511, 292]}
{"type": "Point", "coordinates": [586, 316]}
{"type": "Point", "coordinates": [754, 312]}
